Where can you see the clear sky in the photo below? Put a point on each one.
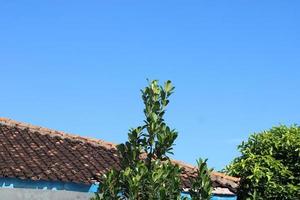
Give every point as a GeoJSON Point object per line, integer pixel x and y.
{"type": "Point", "coordinates": [78, 66]}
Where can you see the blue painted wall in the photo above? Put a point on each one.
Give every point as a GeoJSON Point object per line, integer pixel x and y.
{"type": "Point", "coordinates": [215, 197]}
{"type": "Point", "coordinates": [58, 185]}
{"type": "Point", "coordinates": [223, 198]}
{"type": "Point", "coordinates": [46, 185]}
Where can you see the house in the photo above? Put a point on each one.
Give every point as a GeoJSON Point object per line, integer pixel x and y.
{"type": "Point", "coordinates": [40, 163]}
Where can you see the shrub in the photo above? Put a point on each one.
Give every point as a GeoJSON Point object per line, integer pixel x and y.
{"type": "Point", "coordinates": [202, 184]}
{"type": "Point", "coordinates": [269, 165]}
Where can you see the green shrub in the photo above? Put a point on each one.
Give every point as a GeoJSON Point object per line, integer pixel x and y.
{"type": "Point", "coordinates": [202, 184]}
{"type": "Point", "coordinates": [269, 165]}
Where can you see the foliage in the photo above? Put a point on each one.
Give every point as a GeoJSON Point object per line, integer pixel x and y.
{"type": "Point", "coordinates": [269, 165]}
{"type": "Point", "coordinates": [146, 170]}
{"type": "Point", "coordinates": [202, 184]}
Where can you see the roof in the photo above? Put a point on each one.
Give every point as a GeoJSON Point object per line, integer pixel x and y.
{"type": "Point", "coordinates": [38, 153]}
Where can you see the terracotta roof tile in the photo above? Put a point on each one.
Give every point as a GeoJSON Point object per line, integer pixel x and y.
{"type": "Point", "coordinates": [37, 153]}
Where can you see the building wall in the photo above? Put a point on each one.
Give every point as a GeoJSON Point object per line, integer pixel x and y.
{"type": "Point", "coordinates": [17, 189]}
{"type": "Point", "coordinates": [37, 194]}
{"type": "Point", "coordinates": [224, 198]}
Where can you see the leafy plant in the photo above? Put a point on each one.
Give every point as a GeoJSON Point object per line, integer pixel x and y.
{"type": "Point", "coordinates": [202, 184]}
{"type": "Point", "coordinates": [146, 171]}
{"type": "Point", "coordinates": [269, 165]}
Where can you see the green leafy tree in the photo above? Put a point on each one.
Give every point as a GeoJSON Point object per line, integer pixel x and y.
{"type": "Point", "coordinates": [146, 171]}
{"type": "Point", "coordinates": [269, 165]}
{"type": "Point", "coordinates": [202, 184]}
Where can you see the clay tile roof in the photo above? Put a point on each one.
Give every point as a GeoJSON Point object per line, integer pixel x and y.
{"type": "Point", "coordinates": [37, 153]}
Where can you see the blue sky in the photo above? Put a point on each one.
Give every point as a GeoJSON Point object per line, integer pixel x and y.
{"type": "Point", "coordinates": [78, 66]}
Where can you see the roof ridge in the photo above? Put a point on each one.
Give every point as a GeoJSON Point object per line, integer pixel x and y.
{"type": "Point", "coordinates": [52, 132]}
{"type": "Point", "coordinates": [223, 175]}
{"type": "Point", "coordinates": [214, 173]}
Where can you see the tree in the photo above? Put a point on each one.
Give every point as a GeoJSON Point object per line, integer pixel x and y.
{"type": "Point", "coordinates": [147, 172]}
{"type": "Point", "coordinates": [269, 165]}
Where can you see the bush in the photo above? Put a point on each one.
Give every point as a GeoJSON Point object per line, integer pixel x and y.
{"type": "Point", "coordinates": [269, 165]}
{"type": "Point", "coordinates": [202, 184]}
